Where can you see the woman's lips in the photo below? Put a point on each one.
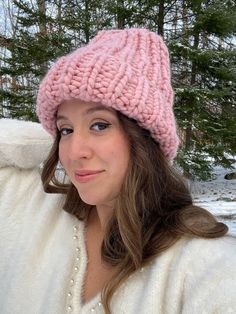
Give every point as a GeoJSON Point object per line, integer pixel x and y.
{"type": "Point", "coordinates": [83, 176]}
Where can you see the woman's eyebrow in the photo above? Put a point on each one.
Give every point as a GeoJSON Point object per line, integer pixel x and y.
{"type": "Point", "coordinates": [98, 108]}
{"type": "Point", "coordinates": [87, 112]}
{"type": "Point", "coordinates": [60, 117]}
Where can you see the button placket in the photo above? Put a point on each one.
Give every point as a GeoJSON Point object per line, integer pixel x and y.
{"type": "Point", "coordinates": [93, 309]}
{"type": "Point", "coordinates": [75, 270]}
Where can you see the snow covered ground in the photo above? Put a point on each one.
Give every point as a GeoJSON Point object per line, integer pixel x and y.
{"type": "Point", "coordinates": [218, 196]}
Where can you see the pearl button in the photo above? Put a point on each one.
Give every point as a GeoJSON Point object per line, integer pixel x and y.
{"type": "Point", "coordinates": [69, 307]}
{"type": "Point", "coordinates": [75, 228]}
{"type": "Point", "coordinates": [75, 237]}
{"type": "Point", "coordinates": [72, 281]}
{"type": "Point", "coordinates": [76, 268]}
{"type": "Point", "coordinates": [100, 304]}
{"type": "Point", "coordinates": [92, 310]}
{"type": "Point", "coordinates": [69, 294]}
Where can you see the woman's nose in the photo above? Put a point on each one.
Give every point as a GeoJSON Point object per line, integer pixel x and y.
{"type": "Point", "coordinates": [79, 147]}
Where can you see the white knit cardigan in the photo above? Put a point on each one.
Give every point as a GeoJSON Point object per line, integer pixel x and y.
{"type": "Point", "coordinates": [43, 254]}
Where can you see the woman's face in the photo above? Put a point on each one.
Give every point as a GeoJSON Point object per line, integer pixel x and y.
{"type": "Point", "coordinates": [93, 150]}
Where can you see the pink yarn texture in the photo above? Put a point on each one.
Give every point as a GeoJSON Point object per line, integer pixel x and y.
{"type": "Point", "coordinates": [127, 70]}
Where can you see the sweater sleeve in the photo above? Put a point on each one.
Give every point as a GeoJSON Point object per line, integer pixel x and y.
{"type": "Point", "coordinates": [210, 284]}
{"type": "Point", "coordinates": [22, 144]}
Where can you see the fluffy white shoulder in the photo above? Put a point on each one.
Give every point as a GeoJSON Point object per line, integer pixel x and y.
{"type": "Point", "coordinates": [23, 144]}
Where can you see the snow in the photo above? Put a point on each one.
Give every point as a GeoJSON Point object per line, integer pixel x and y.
{"type": "Point", "coordinates": [218, 196]}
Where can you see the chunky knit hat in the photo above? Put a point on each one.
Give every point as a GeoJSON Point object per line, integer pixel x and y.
{"type": "Point", "coordinates": [127, 70]}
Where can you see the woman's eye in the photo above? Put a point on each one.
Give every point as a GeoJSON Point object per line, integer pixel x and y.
{"type": "Point", "coordinates": [65, 131]}
{"type": "Point", "coordinates": [100, 126]}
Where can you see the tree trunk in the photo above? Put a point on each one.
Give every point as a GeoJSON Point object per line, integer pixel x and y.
{"type": "Point", "coordinates": [160, 22]}
{"type": "Point", "coordinates": [86, 22]}
{"type": "Point", "coordinates": [42, 29]}
{"type": "Point", "coordinates": [120, 14]}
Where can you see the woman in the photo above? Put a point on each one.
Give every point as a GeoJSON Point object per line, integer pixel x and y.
{"type": "Point", "coordinates": [130, 239]}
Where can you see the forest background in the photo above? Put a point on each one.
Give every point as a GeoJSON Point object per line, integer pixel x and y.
{"type": "Point", "coordinates": [201, 37]}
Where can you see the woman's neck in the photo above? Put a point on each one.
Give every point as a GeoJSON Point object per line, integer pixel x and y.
{"type": "Point", "coordinates": [99, 217]}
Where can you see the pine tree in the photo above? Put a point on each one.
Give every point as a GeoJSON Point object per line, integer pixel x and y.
{"type": "Point", "coordinates": [205, 87]}
{"type": "Point", "coordinates": [37, 41]}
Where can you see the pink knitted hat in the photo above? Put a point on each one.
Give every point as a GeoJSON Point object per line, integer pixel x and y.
{"type": "Point", "coordinates": [127, 70]}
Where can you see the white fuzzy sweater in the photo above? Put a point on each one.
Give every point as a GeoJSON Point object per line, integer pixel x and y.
{"type": "Point", "coordinates": [43, 255]}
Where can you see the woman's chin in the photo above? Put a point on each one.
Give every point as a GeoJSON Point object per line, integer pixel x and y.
{"type": "Point", "coordinates": [97, 201]}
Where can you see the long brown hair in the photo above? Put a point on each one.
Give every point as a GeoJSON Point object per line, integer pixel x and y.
{"type": "Point", "coordinates": [154, 208]}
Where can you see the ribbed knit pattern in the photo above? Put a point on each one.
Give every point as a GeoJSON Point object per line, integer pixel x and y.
{"type": "Point", "coordinates": [127, 70]}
